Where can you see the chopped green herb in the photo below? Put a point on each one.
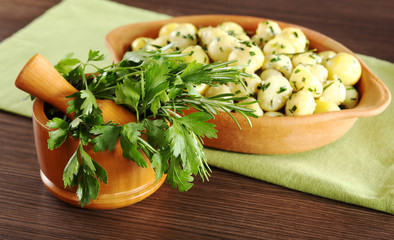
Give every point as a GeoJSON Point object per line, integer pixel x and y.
{"type": "Point", "coordinates": [293, 109]}
{"type": "Point", "coordinates": [327, 86]}
{"type": "Point", "coordinates": [281, 89]}
{"type": "Point", "coordinates": [297, 71]}
{"type": "Point", "coordinates": [295, 34]}
{"type": "Point", "coordinates": [252, 53]}
{"type": "Point", "coordinates": [275, 59]}
{"type": "Point", "coordinates": [265, 86]}
{"type": "Point", "coordinates": [178, 33]}
{"type": "Point", "coordinates": [303, 79]}
{"type": "Point", "coordinates": [272, 30]}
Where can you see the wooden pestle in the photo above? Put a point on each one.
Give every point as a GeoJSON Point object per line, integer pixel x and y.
{"type": "Point", "coordinates": [40, 79]}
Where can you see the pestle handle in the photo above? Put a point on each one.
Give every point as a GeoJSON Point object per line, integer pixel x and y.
{"type": "Point", "coordinates": [40, 79]}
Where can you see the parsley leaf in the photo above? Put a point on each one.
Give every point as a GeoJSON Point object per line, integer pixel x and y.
{"type": "Point", "coordinates": [57, 137]}
{"type": "Point", "coordinates": [107, 137]}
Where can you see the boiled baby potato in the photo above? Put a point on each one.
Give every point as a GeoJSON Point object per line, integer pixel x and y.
{"type": "Point", "coordinates": [167, 29]}
{"type": "Point", "coordinates": [351, 99]}
{"type": "Point", "coordinates": [247, 55]}
{"type": "Point", "coordinates": [281, 63]}
{"type": "Point", "coordinates": [333, 91]}
{"type": "Point", "coordinates": [277, 46]}
{"type": "Point", "coordinates": [265, 31]}
{"type": "Point", "coordinates": [307, 58]}
{"type": "Point", "coordinates": [268, 73]}
{"type": "Point", "coordinates": [300, 103]}
{"type": "Point", "coordinates": [251, 83]}
{"type": "Point", "coordinates": [183, 36]}
{"type": "Point", "coordinates": [295, 37]}
{"type": "Point", "coordinates": [254, 106]}
{"type": "Point", "coordinates": [196, 53]}
{"type": "Point", "coordinates": [325, 55]}
{"type": "Point", "coordinates": [303, 79]}
{"type": "Point", "coordinates": [208, 34]}
{"type": "Point", "coordinates": [344, 66]}
{"type": "Point", "coordinates": [231, 28]}
{"type": "Point", "coordinates": [140, 43]}
{"type": "Point", "coordinates": [274, 93]}
{"type": "Point", "coordinates": [325, 106]}
{"type": "Point", "coordinates": [319, 71]}
{"type": "Point", "coordinates": [273, 114]}
{"type": "Point", "coordinates": [220, 48]}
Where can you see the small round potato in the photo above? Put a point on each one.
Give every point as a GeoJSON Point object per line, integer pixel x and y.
{"type": "Point", "coordinates": [207, 34]}
{"type": "Point", "coordinates": [319, 71]}
{"type": "Point", "coordinates": [196, 54]}
{"type": "Point", "coordinates": [303, 79]}
{"type": "Point", "coordinates": [273, 114]}
{"type": "Point", "coordinates": [216, 90]}
{"type": "Point", "coordinates": [351, 99]}
{"type": "Point", "coordinates": [251, 83]}
{"type": "Point", "coordinates": [325, 55]}
{"type": "Point", "coordinates": [201, 88]}
{"type": "Point", "coordinates": [307, 58]}
{"type": "Point", "coordinates": [167, 29]}
{"type": "Point", "coordinates": [158, 42]}
{"type": "Point", "coordinates": [140, 43]}
{"type": "Point", "coordinates": [231, 28]}
{"type": "Point", "coordinates": [254, 106]}
{"type": "Point", "coordinates": [184, 35]}
{"type": "Point", "coordinates": [251, 57]}
{"type": "Point", "coordinates": [295, 37]}
{"type": "Point", "coordinates": [300, 103]}
{"type": "Point", "coordinates": [325, 106]}
{"type": "Point", "coordinates": [277, 46]}
{"type": "Point", "coordinates": [268, 73]}
{"type": "Point", "coordinates": [220, 48]}
{"type": "Point", "coordinates": [274, 93]}
{"type": "Point", "coordinates": [267, 30]}
{"type": "Point", "coordinates": [346, 67]}
{"type": "Point", "coordinates": [281, 63]}
{"type": "Point", "coordinates": [333, 91]}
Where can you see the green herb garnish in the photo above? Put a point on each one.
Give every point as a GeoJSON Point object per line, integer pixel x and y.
{"type": "Point", "coordinates": [156, 86]}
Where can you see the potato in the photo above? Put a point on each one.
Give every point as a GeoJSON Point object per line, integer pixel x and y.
{"type": "Point", "coordinates": [140, 43]}
{"type": "Point", "coordinates": [167, 29]}
{"type": "Point", "coordinates": [281, 63]}
{"type": "Point", "coordinates": [158, 42]}
{"type": "Point", "coordinates": [325, 106]}
{"type": "Point", "coordinates": [277, 46]}
{"type": "Point", "coordinates": [346, 67]}
{"type": "Point", "coordinates": [273, 114]}
{"type": "Point", "coordinates": [184, 35]}
{"type": "Point", "coordinates": [247, 55]}
{"type": "Point", "coordinates": [303, 79]}
{"type": "Point", "coordinates": [351, 99]}
{"type": "Point", "coordinates": [254, 106]}
{"type": "Point", "coordinates": [274, 93]}
{"type": "Point", "coordinates": [265, 31]}
{"type": "Point", "coordinates": [333, 91]}
{"type": "Point", "coordinates": [196, 54]}
{"type": "Point", "coordinates": [207, 34]}
{"type": "Point", "coordinates": [268, 73]}
{"type": "Point", "coordinates": [319, 71]}
{"type": "Point", "coordinates": [325, 55]}
{"type": "Point", "coordinates": [220, 48]}
{"type": "Point", "coordinates": [307, 58]}
{"type": "Point", "coordinates": [300, 103]}
{"type": "Point", "coordinates": [295, 37]}
{"type": "Point", "coordinates": [231, 28]}
{"type": "Point", "coordinates": [251, 83]}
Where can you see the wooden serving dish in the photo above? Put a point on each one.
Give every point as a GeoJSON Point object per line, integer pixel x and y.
{"type": "Point", "coordinates": [270, 135]}
{"type": "Point", "coordinates": [127, 182]}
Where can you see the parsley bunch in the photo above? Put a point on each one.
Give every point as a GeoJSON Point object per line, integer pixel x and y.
{"type": "Point", "coordinates": [157, 87]}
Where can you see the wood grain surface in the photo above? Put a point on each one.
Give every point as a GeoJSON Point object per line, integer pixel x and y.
{"type": "Point", "coordinates": [229, 206]}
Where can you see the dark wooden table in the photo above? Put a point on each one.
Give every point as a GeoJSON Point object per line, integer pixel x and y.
{"type": "Point", "coordinates": [230, 206]}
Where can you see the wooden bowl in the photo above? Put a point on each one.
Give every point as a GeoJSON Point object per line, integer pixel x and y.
{"type": "Point", "coordinates": [127, 182]}
{"type": "Point", "coordinates": [270, 135]}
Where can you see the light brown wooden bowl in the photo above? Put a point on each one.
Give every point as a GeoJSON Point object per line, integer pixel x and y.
{"type": "Point", "coordinates": [127, 182]}
{"type": "Point", "coordinates": [271, 135]}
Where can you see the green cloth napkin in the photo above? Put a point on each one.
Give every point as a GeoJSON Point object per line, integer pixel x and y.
{"type": "Point", "coordinates": [358, 168]}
